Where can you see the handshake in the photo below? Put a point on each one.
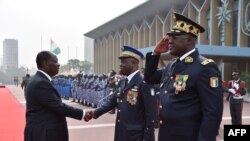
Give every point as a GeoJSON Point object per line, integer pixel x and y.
{"type": "Point", "coordinates": [89, 115]}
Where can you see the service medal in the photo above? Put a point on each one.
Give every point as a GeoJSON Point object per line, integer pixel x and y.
{"type": "Point", "coordinates": [132, 95]}
{"type": "Point", "coordinates": [180, 83]}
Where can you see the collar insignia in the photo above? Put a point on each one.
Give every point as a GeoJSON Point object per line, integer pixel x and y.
{"type": "Point", "coordinates": [189, 59]}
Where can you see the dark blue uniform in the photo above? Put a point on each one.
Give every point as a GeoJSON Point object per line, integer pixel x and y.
{"type": "Point", "coordinates": [136, 104]}
{"type": "Point", "coordinates": [191, 97]}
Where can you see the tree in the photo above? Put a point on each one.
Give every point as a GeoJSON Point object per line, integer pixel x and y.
{"type": "Point", "coordinates": [74, 63]}
{"type": "Point", "coordinates": [77, 66]}
{"type": "Point", "coordinates": [86, 66]}
{"type": "Point", "coordinates": [246, 78]}
{"type": "Point", "coordinates": [224, 15]}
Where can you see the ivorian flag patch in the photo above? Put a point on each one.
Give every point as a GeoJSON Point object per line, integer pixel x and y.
{"type": "Point", "coordinates": [214, 82]}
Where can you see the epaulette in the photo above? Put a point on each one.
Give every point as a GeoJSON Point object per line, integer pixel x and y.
{"type": "Point", "coordinates": [206, 61]}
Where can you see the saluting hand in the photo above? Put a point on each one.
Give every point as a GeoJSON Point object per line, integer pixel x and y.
{"type": "Point", "coordinates": [162, 46]}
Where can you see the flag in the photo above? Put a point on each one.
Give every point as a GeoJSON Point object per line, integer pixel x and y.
{"type": "Point", "coordinates": [214, 82]}
{"type": "Point", "coordinates": [54, 47]}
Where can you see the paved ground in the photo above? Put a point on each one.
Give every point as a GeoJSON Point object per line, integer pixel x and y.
{"type": "Point", "coordinates": [102, 129]}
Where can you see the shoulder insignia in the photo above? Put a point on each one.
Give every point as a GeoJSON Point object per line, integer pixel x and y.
{"type": "Point", "coordinates": [207, 61]}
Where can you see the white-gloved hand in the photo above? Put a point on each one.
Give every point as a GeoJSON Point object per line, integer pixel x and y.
{"type": "Point", "coordinates": [232, 91]}
{"type": "Point", "coordinates": [236, 86]}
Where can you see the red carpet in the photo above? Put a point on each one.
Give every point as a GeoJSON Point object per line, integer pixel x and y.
{"type": "Point", "coordinates": [12, 117]}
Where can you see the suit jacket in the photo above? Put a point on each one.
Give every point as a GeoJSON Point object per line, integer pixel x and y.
{"type": "Point", "coordinates": [45, 112]}
{"type": "Point", "coordinates": [191, 96]}
{"type": "Point", "coordinates": [136, 104]}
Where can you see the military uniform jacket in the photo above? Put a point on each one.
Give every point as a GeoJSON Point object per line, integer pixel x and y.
{"type": "Point", "coordinates": [241, 87]}
{"type": "Point", "coordinates": [45, 112]}
{"type": "Point", "coordinates": [191, 97]}
{"type": "Point", "coordinates": [136, 104]}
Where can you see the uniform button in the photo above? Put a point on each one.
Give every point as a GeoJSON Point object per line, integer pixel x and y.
{"type": "Point", "coordinates": [121, 101]}
{"type": "Point", "coordinates": [118, 120]}
{"type": "Point", "coordinates": [160, 121]}
{"type": "Point", "coordinates": [160, 106]}
{"type": "Point", "coordinates": [153, 121]}
{"type": "Point", "coordinates": [119, 110]}
{"type": "Point", "coordinates": [166, 92]}
{"type": "Point", "coordinates": [171, 77]}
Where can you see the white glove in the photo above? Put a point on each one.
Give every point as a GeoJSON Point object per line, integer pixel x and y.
{"type": "Point", "coordinates": [236, 86]}
{"type": "Point", "coordinates": [232, 91]}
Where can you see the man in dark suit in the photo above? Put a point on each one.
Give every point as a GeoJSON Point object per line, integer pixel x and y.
{"type": "Point", "coordinates": [237, 90]}
{"type": "Point", "coordinates": [190, 86]}
{"type": "Point", "coordinates": [135, 101]}
{"type": "Point", "coordinates": [45, 112]}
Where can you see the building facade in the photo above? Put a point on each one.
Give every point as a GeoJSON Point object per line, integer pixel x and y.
{"type": "Point", "coordinates": [1, 62]}
{"type": "Point", "coordinates": [10, 54]}
{"type": "Point", "coordinates": [88, 49]}
{"type": "Point", "coordinates": [226, 39]}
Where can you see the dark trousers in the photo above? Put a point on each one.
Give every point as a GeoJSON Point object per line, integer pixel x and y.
{"type": "Point", "coordinates": [236, 106]}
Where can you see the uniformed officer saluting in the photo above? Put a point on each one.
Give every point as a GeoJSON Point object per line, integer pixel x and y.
{"type": "Point", "coordinates": [190, 86]}
{"type": "Point", "coordinates": [135, 102]}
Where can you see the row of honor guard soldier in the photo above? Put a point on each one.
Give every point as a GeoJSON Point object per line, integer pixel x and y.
{"type": "Point", "coordinates": [112, 84]}
{"type": "Point", "coordinates": [63, 85]}
{"type": "Point", "coordinates": [89, 89]}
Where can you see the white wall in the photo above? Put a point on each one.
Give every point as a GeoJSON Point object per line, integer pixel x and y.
{"type": "Point", "coordinates": [88, 49]}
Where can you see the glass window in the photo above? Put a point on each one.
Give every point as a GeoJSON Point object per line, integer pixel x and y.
{"type": "Point", "coordinates": [235, 22]}
{"type": "Point", "coordinates": [248, 25]}
{"type": "Point", "coordinates": [208, 26]}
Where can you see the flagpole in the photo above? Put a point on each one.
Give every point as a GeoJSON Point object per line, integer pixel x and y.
{"type": "Point", "coordinates": [50, 44]}
{"type": "Point", "coordinates": [41, 43]}
{"type": "Point", "coordinates": [68, 55]}
{"type": "Point", "coordinates": [76, 52]}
